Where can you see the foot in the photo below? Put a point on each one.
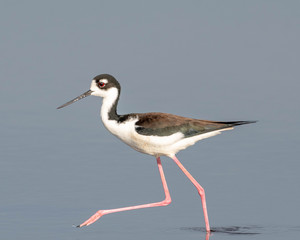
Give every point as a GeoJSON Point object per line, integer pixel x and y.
{"type": "Point", "coordinates": [92, 219]}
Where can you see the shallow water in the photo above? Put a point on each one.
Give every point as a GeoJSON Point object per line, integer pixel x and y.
{"type": "Point", "coordinates": [64, 177]}
{"type": "Point", "coordinates": [208, 60]}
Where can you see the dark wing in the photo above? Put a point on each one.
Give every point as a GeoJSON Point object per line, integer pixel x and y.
{"type": "Point", "coordinates": [164, 124]}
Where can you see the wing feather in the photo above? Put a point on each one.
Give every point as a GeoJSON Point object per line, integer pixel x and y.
{"type": "Point", "coordinates": [165, 124]}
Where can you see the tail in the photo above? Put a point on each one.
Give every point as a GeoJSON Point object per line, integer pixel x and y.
{"type": "Point", "coordinates": [236, 123]}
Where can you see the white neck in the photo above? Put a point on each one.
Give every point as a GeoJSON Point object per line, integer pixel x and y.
{"type": "Point", "coordinates": [108, 108]}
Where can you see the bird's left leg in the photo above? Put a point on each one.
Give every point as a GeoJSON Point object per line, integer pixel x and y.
{"type": "Point", "coordinates": [165, 202]}
{"type": "Point", "coordinates": [199, 188]}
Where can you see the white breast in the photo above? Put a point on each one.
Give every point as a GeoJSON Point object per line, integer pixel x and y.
{"type": "Point", "coordinates": [152, 145]}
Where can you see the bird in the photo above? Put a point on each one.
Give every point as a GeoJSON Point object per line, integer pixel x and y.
{"type": "Point", "coordinates": [156, 134]}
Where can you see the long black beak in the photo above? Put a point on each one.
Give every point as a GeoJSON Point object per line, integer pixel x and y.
{"type": "Point", "coordinates": [88, 93]}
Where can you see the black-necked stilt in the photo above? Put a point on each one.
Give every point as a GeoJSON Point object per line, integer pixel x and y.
{"type": "Point", "coordinates": [157, 134]}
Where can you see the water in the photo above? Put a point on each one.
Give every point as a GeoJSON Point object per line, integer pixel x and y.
{"type": "Point", "coordinates": [58, 174]}
{"type": "Point", "coordinates": [233, 61]}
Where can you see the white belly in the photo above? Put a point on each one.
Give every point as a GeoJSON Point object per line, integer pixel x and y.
{"type": "Point", "coordinates": [152, 145]}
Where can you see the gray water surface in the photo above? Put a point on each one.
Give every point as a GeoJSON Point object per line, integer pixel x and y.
{"type": "Point", "coordinates": [216, 60]}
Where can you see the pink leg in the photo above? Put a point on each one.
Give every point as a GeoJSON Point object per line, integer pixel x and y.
{"type": "Point", "coordinates": [200, 191]}
{"type": "Point", "coordinates": [165, 202]}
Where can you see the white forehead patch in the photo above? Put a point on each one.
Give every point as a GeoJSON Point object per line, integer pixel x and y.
{"type": "Point", "coordinates": [104, 80]}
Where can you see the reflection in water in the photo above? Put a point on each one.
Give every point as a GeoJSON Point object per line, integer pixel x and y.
{"type": "Point", "coordinates": [207, 236]}
{"type": "Point", "coordinates": [248, 230]}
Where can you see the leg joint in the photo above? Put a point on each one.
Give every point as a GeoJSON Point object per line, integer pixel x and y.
{"type": "Point", "coordinates": [166, 202]}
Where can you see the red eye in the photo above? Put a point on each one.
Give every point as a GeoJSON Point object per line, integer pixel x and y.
{"type": "Point", "coordinates": [101, 84]}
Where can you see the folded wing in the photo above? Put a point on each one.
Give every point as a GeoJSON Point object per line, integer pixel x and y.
{"type": "Point", "coordinates": [164, 124]}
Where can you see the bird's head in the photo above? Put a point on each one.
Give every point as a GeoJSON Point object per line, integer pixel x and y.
{"type": "Point", "coordinates": [103, 85]}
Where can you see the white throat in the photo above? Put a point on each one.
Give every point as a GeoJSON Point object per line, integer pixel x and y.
{"type": "Point", "coordinates": [110, 118]}
{"type": "Point", "coordinates": [108, 101]}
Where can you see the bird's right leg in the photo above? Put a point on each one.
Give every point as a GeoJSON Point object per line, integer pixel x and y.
{"type": "Point", "coordinates": [165, 202]}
